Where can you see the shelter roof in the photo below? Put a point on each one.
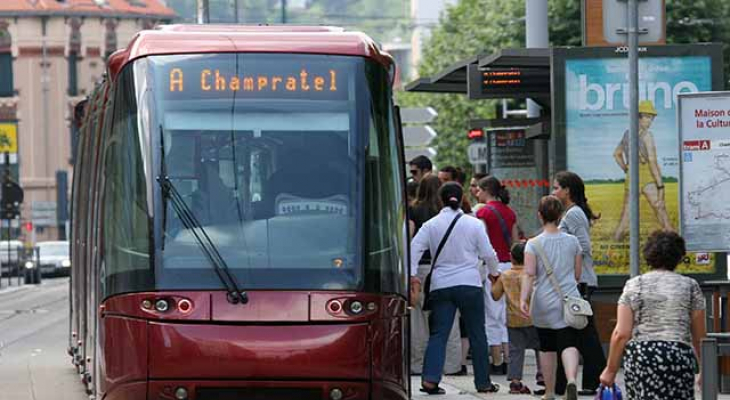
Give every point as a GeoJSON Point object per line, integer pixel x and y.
{"type": "Point", "coordinates": [453, 79]}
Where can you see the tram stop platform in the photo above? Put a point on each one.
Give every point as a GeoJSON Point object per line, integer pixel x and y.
{"type": "Point", "coordinates": [462, 387]}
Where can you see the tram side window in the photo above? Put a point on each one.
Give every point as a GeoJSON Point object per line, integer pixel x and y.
{"type": "Point", "coordinates": [384, 197]}
{"type": "Point", "coordinates": [126, 223]}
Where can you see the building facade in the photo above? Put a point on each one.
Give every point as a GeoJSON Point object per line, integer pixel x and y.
{"type": "Point", "coordinates": [52, 52]}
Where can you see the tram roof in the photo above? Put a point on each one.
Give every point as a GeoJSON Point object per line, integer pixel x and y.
{"type": "Point", "coordinates": [197, 39]}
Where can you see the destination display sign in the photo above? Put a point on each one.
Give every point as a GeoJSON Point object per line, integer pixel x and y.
{"type": "Point", "coordinates": [255, 76]}
{"type": "Point", "coordinates": [510, 82]}
{"type": "Point", "coordinates": [509, 148]}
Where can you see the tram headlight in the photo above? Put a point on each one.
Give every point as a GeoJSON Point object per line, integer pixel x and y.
{"type": "Point", "coordinates": [66, 263]}
{"type": "Point", "coordinates": [356, 307]}
{"type": "Point", "coordinates": [162, 305]}
{"type": "Point", "coordinates": [336, 394]}
{"type": "Point", "coordinates": [181, 393]}
{"type": "Point", "coordinates": [29, 265]}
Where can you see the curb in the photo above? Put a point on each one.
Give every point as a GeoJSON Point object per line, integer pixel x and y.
{"type": "Point", "coordinates": [11, 289]}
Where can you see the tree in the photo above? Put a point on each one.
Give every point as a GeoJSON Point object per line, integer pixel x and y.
{"type": "Point", "coordinates": [479, 27]}
{"type": "Point", "coordinates": [700, 21]}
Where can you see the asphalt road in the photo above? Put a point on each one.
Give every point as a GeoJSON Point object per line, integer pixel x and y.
{"type": "Point", "coordinates": [33, 340]}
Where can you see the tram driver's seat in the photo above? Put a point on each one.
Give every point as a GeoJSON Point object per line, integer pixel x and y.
{"type": "Point", "coordinates": [308, 182]}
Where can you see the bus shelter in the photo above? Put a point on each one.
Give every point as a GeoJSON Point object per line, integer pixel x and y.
{"type": "Point", "coordinates": [513, 149]}
{"type": "Point", "coordinates": [583, 95]}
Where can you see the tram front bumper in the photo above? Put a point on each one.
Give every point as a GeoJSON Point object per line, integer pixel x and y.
{"type": "Point", "coordinates": [259, 352]}
{"type": "Point", "coordinates": [259, 390]}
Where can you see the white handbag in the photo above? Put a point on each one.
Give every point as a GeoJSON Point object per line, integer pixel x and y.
{"type": "Point", "coordinates": [576, 310]}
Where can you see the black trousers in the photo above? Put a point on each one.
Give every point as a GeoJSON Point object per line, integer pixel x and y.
{"type": "Point", "coordinates": [589, 346]}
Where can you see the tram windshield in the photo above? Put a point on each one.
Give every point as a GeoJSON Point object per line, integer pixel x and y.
{"type": "Point", "coordinates": [274, 156]}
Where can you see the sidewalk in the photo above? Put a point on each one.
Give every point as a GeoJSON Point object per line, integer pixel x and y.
{"type": "Point", "coordinates": [462, 387]}
{"type": "Point", "coordinates": [6, 286]}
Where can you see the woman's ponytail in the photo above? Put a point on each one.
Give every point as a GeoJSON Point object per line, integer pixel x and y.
{"type": "Point", "coordinates": [450, 194]}
{"type": "Point", "coordinates": [495, 188]}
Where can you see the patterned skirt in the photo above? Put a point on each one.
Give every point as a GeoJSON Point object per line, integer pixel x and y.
{"type": "Point", "coordinates": [659, 370]}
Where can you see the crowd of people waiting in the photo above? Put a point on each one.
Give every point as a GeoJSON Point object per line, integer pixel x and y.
{"type": "Point", "coordinates": [479, 287]}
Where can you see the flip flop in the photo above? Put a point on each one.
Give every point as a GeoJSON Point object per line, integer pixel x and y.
{"type": "Point", "coordinates": [433, 390]}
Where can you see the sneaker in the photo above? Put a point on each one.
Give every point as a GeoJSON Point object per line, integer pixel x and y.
{"type": "Point", "coordinates": [518, 388]}
{"type": "Point", "coordinates": [571, 391]}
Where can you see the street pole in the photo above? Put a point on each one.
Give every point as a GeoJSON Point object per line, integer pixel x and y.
{"type": "Point", "coordinates": [633, 39]}
{"type": "Point", "coordinates": [283, 11]}
{"type": "Point", "coordinates": [203, 14]}
{"type": "Point", "coordinates": [6, 181]}
{"type": "Point", "coordinates": [536, 26]}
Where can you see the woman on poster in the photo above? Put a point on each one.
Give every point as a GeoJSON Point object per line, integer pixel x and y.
{"type": "Point", "coordinates": [650, 176]}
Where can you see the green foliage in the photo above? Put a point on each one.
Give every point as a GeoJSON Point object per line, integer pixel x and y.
{"type": "Point", "coordinates": [564, 22]}
{"type": "Point", "coordinates": [700, 21]}
{"type": "Point", "coordinates": [470, 28]}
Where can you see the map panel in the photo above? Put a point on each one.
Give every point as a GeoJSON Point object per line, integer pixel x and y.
{"type": "Point", "coordinates": [704, 140]}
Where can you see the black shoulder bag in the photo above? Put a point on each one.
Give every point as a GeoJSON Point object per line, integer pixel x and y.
{"type": "Point", "coordinates": [502, 225]}
{"type": "Point", "coordinates": [427, 283]}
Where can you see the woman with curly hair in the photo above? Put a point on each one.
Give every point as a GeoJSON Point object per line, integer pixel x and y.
{"type": "Point", "coordinates": [661, 321]}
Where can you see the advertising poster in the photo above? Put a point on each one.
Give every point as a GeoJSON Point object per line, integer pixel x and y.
{"type": "Point", "coordinates": [704, 140]}
{"type": "Point", "coordinates": [595, 122]}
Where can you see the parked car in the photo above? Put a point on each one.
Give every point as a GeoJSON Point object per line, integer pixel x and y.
{"type": "Point", "coordinates": [54, 258]}
{"type": "Point", "coordinates": [9, 256]}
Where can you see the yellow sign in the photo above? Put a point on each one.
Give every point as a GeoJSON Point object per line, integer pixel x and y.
{"type": "Point", "coordinates": [8, 137]}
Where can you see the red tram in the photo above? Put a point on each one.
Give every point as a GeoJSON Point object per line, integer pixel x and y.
{"type": "Point", "coordinates": [239, 218]}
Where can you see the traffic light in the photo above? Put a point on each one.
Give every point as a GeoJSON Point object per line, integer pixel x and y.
{"type": "Point", "coordinates": [28, 227]}
{"type": "Point", "coordinates": [12, 197]}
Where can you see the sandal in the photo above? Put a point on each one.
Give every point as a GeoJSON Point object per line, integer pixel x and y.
{"type": "Point", "coordinates": [519, 388]}
{"type": "Point", "coordinates": [434, 390]}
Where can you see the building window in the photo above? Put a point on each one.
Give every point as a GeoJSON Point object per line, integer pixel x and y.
{"type": "Point", "coordinates": [110, 38]}
{"type": "Point", "coordinates": [6, 62]}
{"type": "Point", "coordinates": [6, 78]}
{"type": "Point", "coordinates": [73, 86]}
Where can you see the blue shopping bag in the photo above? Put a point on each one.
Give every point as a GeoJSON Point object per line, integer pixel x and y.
{"type": "Point", "coordinates": [606, 393]}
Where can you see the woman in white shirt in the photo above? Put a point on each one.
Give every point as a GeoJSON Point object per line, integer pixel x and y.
{"type": "Point", "coordinates": [455, 284]}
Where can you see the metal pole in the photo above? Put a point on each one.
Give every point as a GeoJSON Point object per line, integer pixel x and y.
{"type": "Point", "coordinates": [46, 97]}
{"type": "Point", "coordinates": [203, 14]}
{"type": "Point", "coordinates": [283, 11]}
{"type": "Point", "coordinates": [633, 37]}
{"type": "Point", "coordinates": [708, 351]}
{"type": "Point", "coordinates": [10, 275]}
{"type": "Point", "coordinates": [6, 181]}
{"type": "Point", "coordinates": [536, 26]}
{"type": "Point", "coordinates": [235, 11]}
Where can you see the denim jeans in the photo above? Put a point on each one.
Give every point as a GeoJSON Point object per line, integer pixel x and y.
{"type": "Point", "coordinates": [469, 300]}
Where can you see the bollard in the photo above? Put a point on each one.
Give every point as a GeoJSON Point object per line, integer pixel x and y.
{"type": "Point", "coordinates": [709, 369]}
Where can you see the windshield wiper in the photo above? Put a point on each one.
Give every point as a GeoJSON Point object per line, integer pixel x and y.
{"type": "Point", "coordinates": [235, 295]}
